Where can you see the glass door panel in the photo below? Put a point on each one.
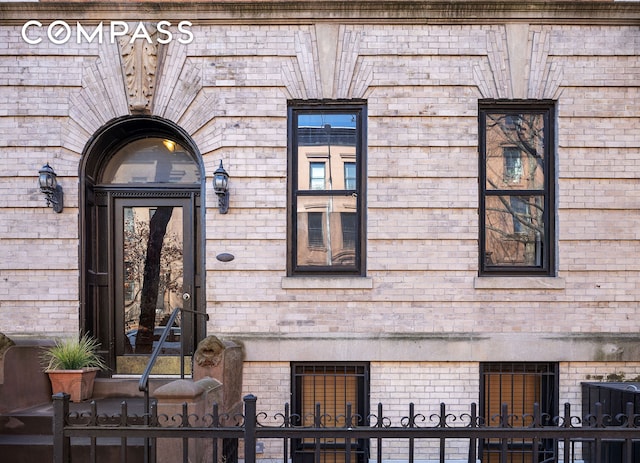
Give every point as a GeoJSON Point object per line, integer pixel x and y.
{"type": "Point", "coordinates": [153, 276]}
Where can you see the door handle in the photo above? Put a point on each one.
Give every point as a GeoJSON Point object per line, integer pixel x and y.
{"type": "Point", "coordinates": [186, 297]}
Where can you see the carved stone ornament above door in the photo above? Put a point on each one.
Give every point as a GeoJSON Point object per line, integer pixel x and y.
{"type": "Point", "coordinates": [139, 57]}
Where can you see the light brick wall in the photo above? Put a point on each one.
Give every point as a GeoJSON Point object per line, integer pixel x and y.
{"type": "Point", "coordinates": [270, 382]}
{"type": "Point", "coordinates": [422, 81]}
{"type": "Point", "coordinates": [425, 384]}
{"type": "Point", "coordinates": [422, 169]}
{"type": "Point", "coordinates": [395, 385]}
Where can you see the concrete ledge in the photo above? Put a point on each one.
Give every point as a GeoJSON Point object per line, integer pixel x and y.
{"type": "Point", "coordinates": [465, 347]}
{"type": "Point", "coordinates": [490, 282]}
{"type": "Point", "coordinates": [311, 282]}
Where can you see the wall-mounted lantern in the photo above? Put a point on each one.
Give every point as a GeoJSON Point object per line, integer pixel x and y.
{"type": "Point", "coordinates": [48, 182]}
{"type": "Point", "coordinates": [221, 188]}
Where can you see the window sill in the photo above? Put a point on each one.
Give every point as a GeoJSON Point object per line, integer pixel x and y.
{"type": "Point", "coordinates": [519, 283]}
{"type": "Point", "coordinates": [337, 282]}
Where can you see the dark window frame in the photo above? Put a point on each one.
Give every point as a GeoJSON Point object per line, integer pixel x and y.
{"type": "Point", "coordinates": [301, 451]}
{"type": "Point", "coordinates": [546, 108]}
{"type": "Point", "coordinates": [549, 374]}
{"type": "Point", "coordinates": [295, 108]}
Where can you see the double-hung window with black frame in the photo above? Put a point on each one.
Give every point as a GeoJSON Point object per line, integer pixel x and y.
{"type": "Point", "coordinates": [326, 174]}
{"type": "Point", "coordinates": [517, 180]}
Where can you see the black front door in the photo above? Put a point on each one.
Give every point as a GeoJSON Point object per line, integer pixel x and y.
{"type": "Point", "coordinates": [153, 276]}
{"type": "Point", "coordinates": [141, 253]}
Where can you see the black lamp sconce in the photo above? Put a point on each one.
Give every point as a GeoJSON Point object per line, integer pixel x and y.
{"type": "Point", "coordinates": [48, 182]}
{"type": "Point", "coordinates": [221, 188]}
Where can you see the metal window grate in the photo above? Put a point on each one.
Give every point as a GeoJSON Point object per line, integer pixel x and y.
{"type": "Point", "coordinates": [519, 386]}
{"type": "Point", "coordinates": [339, 390]}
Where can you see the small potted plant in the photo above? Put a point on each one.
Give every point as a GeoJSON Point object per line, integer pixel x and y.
{"type": "Point", "coordinates": [72, 366]}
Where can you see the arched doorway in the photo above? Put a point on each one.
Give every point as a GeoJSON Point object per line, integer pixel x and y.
{"type": "Point", "coordinates": [141, 242]}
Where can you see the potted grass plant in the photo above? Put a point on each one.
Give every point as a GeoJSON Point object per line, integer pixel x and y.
{"type": "Point", "coordinates": [72, 366]}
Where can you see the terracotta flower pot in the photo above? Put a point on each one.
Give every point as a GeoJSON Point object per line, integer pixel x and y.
{"type": "Point", "coordinates": [77, 383]}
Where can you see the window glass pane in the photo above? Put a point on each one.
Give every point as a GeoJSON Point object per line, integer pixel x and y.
{"type": "Point", "coordinates": [327, 192]}
{"type": "Point", "coordinates": [514, 230]}
{"type": "Point", "coordinates": [327, 140]}
{"type": "Point", "coordinates": [349, 175]}
{"type": "Point", "coordinates": [153, 276]}
{"type": "Point", "coordinates": [512, 165]}
{"type": "Point", "coordinates": [517, 188]}
{"type": "Point", "coordinates": [316, 229]}
{"type": "Point", "coordinates": [151, 160]}
{"type": "Point", "coordinates": [519, 386]}
{"type": "Point", "coordinates": [317, 176]}
{"type": "Point", "coordinates": [518, 391]}
{"type": "Point", "coordinates": [348, 221]}
{"type": "Point", "coordinates": [515, 151]}
{"type": "Point", "coordinates": [330, 242]}
{"type": "Point", "coordinates": [332, 391]}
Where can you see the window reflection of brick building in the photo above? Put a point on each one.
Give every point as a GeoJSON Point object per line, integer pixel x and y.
{"type": "Point", "coordinates": [327, 222]}
{"type": "Point", "coordinates": [515, 188]}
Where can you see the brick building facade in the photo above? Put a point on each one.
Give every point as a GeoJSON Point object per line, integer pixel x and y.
{"type": "Point", "coordinates": [422, 306]}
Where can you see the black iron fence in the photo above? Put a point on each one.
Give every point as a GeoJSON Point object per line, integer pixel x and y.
{"type": "Point", "coordinates": [350, 438]}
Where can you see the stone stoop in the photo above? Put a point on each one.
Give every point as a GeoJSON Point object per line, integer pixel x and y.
{"type": "Point", "coordinates": [125, 387]}
{"type": "Point", "coordinates": [26, 435]}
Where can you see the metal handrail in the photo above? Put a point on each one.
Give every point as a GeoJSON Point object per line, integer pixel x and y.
{"type": "Point", "coordinates": [143, 384]}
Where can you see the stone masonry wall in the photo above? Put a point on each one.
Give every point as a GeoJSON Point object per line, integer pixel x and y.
{"type": "Point", "coordinates": [229, 89]}
{"type": "Point", "coordinates": [422, 301]}
{"type": "Point", "coordinates": [426, 384]}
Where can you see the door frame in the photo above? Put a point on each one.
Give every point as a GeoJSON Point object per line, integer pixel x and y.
{"type": "Point", "coordinates": [96, 258]}
{"type": "Point", "coordinates": [185, 202]}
